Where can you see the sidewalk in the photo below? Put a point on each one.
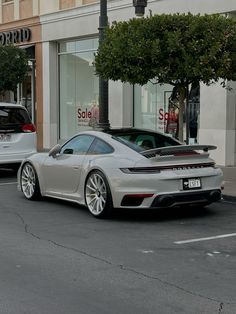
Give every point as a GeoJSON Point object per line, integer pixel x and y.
{"type": "Point", "coordinates": [229, 192]}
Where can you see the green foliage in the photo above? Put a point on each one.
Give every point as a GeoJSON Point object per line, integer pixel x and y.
{"type": "Point", "coordinates": [177, 49]}
{"type": "Point", "coordinates": [13, 67]}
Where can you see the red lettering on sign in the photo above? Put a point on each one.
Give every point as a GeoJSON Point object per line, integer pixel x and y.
{"type": "Point", "coordinates": [84, 114]}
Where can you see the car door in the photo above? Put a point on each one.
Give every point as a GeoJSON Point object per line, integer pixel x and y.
{"type": "Point", "coordinates": [62, 173]}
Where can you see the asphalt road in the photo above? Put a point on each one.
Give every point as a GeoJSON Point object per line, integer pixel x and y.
{"type": "Point", "coordinates": [56, 258]}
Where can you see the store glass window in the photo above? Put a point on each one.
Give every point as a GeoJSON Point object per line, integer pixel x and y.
{"type": "Point", "coordinates": [79, 87]}
{"type": "Point", "coordinates": [156, 107]}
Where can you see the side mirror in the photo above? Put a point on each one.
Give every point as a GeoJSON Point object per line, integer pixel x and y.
{"type": "Point", "coordinates": [55, 150]}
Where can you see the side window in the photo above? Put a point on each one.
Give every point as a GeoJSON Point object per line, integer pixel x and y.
{"type": "Point", "coordinates": [78, 145]}
{"type": "Point", "coordinates": [100, 147]}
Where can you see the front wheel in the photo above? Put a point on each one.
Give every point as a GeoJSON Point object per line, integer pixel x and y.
{"type": "Point", "coordinates": [29, 182]}
{"type": "Point", "coordinates": [98, 195]}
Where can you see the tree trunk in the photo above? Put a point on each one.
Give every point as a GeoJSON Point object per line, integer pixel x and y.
{"type": "Point", "coordinates": [181, 114]}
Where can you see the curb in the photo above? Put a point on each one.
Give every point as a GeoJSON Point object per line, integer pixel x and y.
{"type": "Point", "coordinates": [229, 198]}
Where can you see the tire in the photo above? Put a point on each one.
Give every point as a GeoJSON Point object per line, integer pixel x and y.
{"type": "Point", "coordinates": [97, 196]}
{"type": "Point", "coordinates": [29, 182]}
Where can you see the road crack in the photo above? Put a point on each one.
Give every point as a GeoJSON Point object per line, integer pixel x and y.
{"type": "Point", "coordinates": [123, 268]}
{"type": "Point", "coordinates": [221, 308]}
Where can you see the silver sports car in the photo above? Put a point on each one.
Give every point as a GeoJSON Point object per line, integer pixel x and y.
{"type": "Point", "coordinates": [123, 168]}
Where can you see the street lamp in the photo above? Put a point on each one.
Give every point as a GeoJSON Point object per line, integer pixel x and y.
{"type": "Point", "coordinates": [103, 84]}
{"type": "Point", "coordinates": [139, 7]}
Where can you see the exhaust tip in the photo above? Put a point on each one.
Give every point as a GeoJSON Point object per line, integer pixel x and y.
{"type": "Point", "coordinates": [165, 201]}
{"type": "Point", "coordinates": [215, 196]}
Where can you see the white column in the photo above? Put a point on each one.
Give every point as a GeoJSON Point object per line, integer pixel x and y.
{"type": "Point", "coordinates": [35, 7]}
{"type": "Point", "coordinates": [50, 95]}
{"type": "Point", "coordinates": [78, 3]}
{"type": "Point", "coordinates": [0, 11]}
{"type": "Point", "coordinates": [48, 6]}
{"type": "Point", "coordinates": [16, 9]}
{"type": "Point", "coordinates": [218, 122]}
{"type": "Point", "coordinates": [231, 125]}
{"type": "Point", "coordinates": [213, 120]}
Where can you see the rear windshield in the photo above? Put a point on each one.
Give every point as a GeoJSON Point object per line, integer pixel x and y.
{"type": "Point", "coordinates": [13, 117]}
{"type": "Point", "coordinates": [140, 141]}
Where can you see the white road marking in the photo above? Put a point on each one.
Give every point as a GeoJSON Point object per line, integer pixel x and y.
{"type": "Point", "coordinates": [210, 254]}
{"type": "Point", "coordinates": [206, 239]}
{"type": "Point", "coordinates": [146, 251]}
{"type": "Point", "coordinates": [8, 183]}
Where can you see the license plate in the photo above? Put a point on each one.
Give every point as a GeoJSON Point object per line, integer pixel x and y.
{"type": "Point", "coordinates": [5, 137]}
{"type": "Point", "coordinates": [189, 184]}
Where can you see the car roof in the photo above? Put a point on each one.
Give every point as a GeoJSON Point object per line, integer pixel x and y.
{"type": "Point", "coordinates": [121, 131]}
{"type": "Point", "coordinates": [130, 130]}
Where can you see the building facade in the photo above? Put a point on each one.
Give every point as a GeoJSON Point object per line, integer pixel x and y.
{"type": "Point", "coordinates": [64, 39]}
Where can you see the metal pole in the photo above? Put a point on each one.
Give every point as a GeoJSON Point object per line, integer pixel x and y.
{"type": "Point", "coordinates": [187, 113]}
{"type": "Point", "coordinates": [103, 84]}
{"type": "Point", "coordinates": [33, 94]}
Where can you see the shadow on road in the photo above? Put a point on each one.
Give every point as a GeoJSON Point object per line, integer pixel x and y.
{"type": "Point", "coordinates": [143, 215]}
{"type": "Point", "coordinates": [7, 173]}
{"type": "Point", "coordinates": [164, 214]}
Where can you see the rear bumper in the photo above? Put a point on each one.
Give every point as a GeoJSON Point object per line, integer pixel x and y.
{"type": "Point", "coordinates": [200, 197]}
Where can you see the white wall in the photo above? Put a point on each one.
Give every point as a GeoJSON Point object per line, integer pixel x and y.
{"type": "Point", "coordinates": [213, 119]}
{"type": "Point", "coordinates": [218, 122]}
{"type": "Point", "coordinates": [50, 94]}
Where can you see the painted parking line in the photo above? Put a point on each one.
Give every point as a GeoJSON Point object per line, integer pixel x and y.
{"type": "Point", "coordinates": [7, 183]}
{"type": "Point", "coordinates": [207, 238]}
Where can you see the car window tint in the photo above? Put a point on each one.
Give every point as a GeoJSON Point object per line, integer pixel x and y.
{"type": "Point", "coordinates": [78, 145]}
{"type": "Point", "coordinates": [140, 141]}
{"type": "Point", "coordinates": [13, 117]}
{"type": "Point", "coordinates": [100, 147]}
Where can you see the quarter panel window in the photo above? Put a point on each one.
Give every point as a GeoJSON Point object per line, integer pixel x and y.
{"type": "Point", "coordinates": [100, 147]}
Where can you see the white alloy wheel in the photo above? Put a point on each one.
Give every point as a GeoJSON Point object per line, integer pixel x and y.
{"type": "Point", "coordinates": [97, 194]}
{"type": "Point", "coordinates": [29, 181]}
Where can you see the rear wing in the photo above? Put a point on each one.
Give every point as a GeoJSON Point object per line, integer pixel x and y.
{"type": "Point", "coordinates": [178, 150]}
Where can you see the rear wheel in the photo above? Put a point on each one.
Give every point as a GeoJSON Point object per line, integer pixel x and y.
{"type": "Point", "coordinates": [29, 182]}
{"type": "Point", "coordinates": [98, 195]}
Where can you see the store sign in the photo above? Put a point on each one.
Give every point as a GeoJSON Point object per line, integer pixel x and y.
{"type": "Point", "coordinates": [167, 116]}
{"type": "Point", "coordinates": [88, 116]}
{"type": "Point", "coordinates": [15, 37]}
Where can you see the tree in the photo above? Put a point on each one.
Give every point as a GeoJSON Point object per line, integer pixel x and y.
{"type": "Point", "coordinates": [179, 49]}
{"type": "Point", "coordinates": [13, 67]}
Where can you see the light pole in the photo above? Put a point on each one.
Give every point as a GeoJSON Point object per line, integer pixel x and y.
{"type": "Point", "coordinates": [103, 84]}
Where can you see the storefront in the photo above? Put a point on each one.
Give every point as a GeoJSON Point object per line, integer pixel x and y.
{"type": "Point", "coordinates": [156, 107]}
{"type": "Point", "coordinates": [70, 86]}
{"type": "Point", "coordinates": [79, 89]}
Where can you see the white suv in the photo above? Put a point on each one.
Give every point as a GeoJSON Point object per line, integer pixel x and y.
{"type": "Point", "coordinates": [17, 135]}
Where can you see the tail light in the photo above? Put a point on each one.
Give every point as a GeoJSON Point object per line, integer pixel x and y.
{"type": "Point", "coordinates": [28, 128]}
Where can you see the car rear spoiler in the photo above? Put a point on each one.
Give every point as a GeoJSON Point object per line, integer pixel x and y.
{"type": "Point", "coordinates": [179, 149]}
